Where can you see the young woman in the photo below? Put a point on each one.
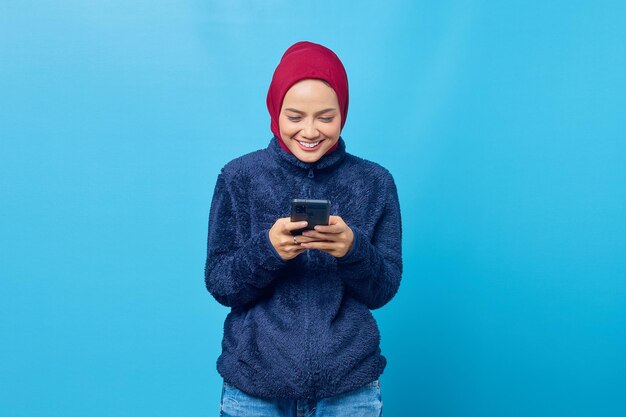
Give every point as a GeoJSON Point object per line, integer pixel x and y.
{"type": "Point", "coordinates": [300, 339]}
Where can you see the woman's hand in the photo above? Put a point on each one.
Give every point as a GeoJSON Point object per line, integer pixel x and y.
{"type": "Point", "coordinates": [335, 239]}
{"type": "Point", "coordinates": [287, 245]}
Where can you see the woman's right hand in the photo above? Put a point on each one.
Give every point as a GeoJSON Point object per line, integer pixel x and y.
{"type": "Point", "coordinates": [284, 242]}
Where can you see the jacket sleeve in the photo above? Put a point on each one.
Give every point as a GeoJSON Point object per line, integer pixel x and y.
{"type": "Point", "coordinates": [373, 268]}
{"type": "Point", "coordinates": [239, 268]}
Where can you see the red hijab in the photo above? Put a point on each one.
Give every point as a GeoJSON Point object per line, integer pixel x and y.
{"type": "Point", "coordinates": [306, 60]}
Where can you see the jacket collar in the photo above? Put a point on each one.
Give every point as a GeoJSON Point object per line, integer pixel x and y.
{"type": "Point", "coordinates": [331, 160]}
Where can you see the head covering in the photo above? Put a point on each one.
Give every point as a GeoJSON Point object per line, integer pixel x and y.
{"type": "Point", "coordinates": [306, 60]}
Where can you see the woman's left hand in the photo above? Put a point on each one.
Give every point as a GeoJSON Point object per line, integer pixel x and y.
{"type": "Point", "coordinates": [335, 239]}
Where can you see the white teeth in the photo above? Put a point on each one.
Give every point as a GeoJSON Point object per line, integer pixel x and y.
{"type": "Point", "coordinates": [309, 144]}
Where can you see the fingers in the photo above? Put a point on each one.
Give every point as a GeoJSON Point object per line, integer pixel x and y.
{"type": "Point", "coordinates": [289, 226]}
{"type": "Point", "coordinates": [333, 228]}
{"type": "Point", "coordinates": [306, 239]}
{"type": "Point", "coordinates": [329, 247]}
{"type": "Point", "coordinates": [335, 239]}
{"type": "Point", "coordinates": [335, 225]}
{"type": "Point", "coordinates": [290, 253]}
{"type": "Point", "coordinates": [294, 250]}
{"type": "Point", "coordinates": [315, 235]}
{"type": "Point", "coordinates": [292, 246]}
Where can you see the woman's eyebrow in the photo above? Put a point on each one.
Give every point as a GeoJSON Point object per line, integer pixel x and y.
{"type": "Point", "coordinates": [316, 114]}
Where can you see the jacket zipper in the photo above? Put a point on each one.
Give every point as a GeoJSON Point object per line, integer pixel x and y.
{"type": "Point", "coordinates": [308, 351]}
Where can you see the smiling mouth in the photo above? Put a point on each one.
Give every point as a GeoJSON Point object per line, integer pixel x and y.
{"type": "Point", "coordinates": [309, 146]}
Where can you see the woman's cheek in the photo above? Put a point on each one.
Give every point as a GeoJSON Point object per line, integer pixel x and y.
{"type": "Point", "coordinates": [331, 132]}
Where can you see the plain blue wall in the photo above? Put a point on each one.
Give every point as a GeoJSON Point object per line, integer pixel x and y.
{"type": "Point", "coordinates": [503, 123]}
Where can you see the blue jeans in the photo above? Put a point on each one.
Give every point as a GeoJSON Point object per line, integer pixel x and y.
{"type": "Point", "coordinates": [362, 402]}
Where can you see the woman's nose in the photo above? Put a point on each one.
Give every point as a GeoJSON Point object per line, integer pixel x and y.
{"type": "Point", "coordinates": [309, 130]}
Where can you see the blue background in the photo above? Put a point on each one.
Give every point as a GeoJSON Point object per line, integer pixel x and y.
{"type": "Point", "coordinates": [502, 122]}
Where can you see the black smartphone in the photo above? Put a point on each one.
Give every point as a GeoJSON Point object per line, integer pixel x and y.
{"type": "Point", "coordinates": [313, 211]}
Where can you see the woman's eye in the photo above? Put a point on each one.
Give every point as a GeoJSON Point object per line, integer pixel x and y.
{"type": "Point", "coordinates": [326, 119]}
{"type": "Point", "coordinates": [293, 118]}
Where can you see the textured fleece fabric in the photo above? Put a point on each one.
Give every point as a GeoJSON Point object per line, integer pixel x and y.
{"type": "Point", "coordinates": [302, 328]}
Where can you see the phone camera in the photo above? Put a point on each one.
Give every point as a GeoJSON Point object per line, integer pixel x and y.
{"type": "Point", "coordinates": [300, 209]}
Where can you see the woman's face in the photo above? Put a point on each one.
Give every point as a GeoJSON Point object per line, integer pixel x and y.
{"type": "Point", "coordinates": [310, 121]}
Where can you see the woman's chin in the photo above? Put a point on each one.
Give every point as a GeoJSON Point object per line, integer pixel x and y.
{"type": "Point", "coordinates": [308, 157]}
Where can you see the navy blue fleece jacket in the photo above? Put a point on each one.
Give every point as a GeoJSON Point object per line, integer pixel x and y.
{"type": "Point", "coordinates": [302, 328]}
